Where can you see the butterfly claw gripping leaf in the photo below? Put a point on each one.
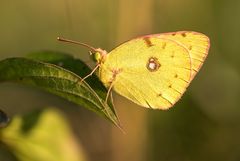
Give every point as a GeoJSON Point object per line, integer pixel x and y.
{"type": "Point", "coordinates": [153, 70]}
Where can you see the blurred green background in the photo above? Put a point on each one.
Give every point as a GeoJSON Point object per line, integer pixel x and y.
{"type": "Point", "coordinates": [204, 124]}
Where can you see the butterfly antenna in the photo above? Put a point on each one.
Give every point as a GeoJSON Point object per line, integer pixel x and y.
{"type": "Point", "coordinates": [78, 43]}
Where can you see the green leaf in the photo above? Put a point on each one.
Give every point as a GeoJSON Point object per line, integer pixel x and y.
{"type": "Point", "coordinates": [76, 66]}
{"type": "Point", "coordinates": [42, 71]}
{"type": "Point", "coordinates": [41, 136]}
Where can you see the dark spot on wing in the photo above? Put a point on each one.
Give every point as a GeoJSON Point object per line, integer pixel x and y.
{"type": "Point", "coordinates": [153, 64]}
{"type": "Point", "coordinates": [183, 34]}
{"type": "Point", "coordinates": [148, 42]}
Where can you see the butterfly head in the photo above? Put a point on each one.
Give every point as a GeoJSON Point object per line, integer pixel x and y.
{"type": "Point", "coordinates": [99, 55]}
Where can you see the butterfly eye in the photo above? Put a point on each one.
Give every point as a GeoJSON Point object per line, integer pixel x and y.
{"type": "Point", "coordinates": [153, 64]}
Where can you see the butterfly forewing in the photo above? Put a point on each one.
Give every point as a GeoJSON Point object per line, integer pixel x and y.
{"type": "Point", "coordinates": [152, 72]}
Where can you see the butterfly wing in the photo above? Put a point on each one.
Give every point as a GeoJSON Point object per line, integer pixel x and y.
{"type": "Point", "coordinates": [197, 43]}
{"type": "Point", "coordinates": [152, 72]}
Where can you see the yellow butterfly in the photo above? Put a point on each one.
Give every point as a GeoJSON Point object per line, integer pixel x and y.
{"type": "Point", "coordinates": [153, 70]}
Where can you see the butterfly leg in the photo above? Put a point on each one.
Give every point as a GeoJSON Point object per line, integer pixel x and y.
{"type": "Point", "coordinates": [108, 92]}
{"type": "Point", "coordinates": [96, 67]}
{"type": "Point", "coordinates": [112, 80]}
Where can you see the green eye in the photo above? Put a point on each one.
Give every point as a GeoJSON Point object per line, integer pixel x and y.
{"type": "Point", "coordinates": [96, 56]}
